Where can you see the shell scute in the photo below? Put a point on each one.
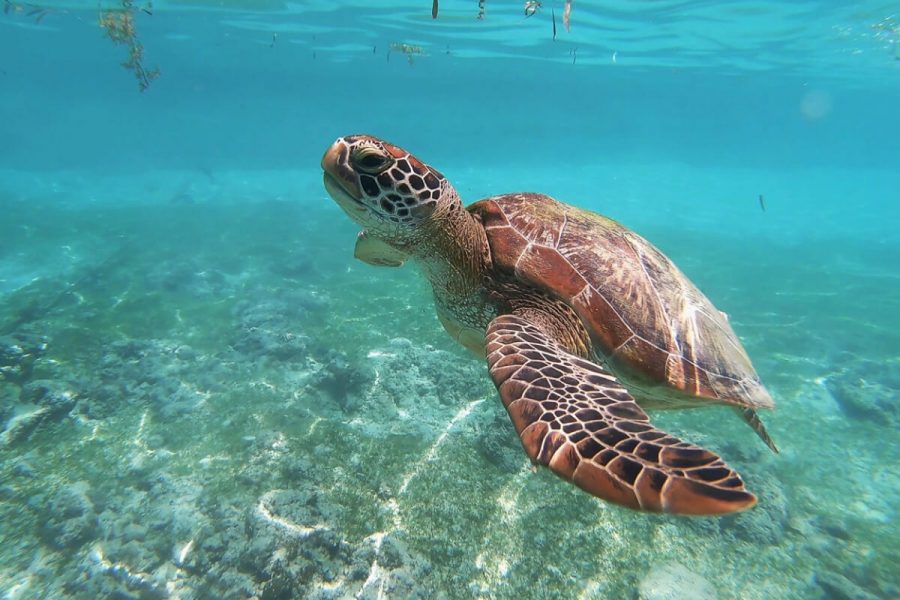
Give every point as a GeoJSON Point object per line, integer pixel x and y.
{"type": "Point", "coordinates": [642, 312]}
{"type": "Point", "coordinates": [542, 263]}
{"type": "Point", "coordinates": [602, 320]}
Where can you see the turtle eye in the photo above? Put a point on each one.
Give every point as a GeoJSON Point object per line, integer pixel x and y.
{"type": "Point", "coordinates": [370, 160]}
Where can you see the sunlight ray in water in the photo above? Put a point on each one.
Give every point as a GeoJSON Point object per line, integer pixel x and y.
{"type": "Point", "coordinates": [432, 451]}
{"type": "Point", "coordinates": [295, 529]}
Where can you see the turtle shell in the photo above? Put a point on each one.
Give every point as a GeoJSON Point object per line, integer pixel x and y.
{"type": "Point", "coordinates": [647, 321]}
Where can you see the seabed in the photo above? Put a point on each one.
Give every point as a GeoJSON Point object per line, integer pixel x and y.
{"type": "Point", "coordinates": [212, 399]}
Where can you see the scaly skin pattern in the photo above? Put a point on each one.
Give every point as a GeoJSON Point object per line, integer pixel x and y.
{"type": "Point", "coordinates": [413, 208]}
{"type": "Point", "coordinates": [575, 418]}
{"type": "Point", "coordinates": [561, 302]}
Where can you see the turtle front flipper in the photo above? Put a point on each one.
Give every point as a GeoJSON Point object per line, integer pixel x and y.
{"type": "Point", "coordinates": [376, 252]}
{"type": "Point", "coordinates": [575, 418]}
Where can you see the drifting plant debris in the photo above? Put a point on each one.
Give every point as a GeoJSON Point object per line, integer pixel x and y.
{"type": "Point", "coordinates": [118, 24]}
{"type": "Point", "coordinates": [120, 28]}
{"type": "Point", "coordinates": [531, 7]}
{"type": "Point", "coordinates": [29, 10]}
{"type": "Point", "coordinates": [408, 49]}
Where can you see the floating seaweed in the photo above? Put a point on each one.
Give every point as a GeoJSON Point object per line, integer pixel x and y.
{"type": "Point", "coordinates": [480, 10]}
{"type": "Point", "coordinates": [29, 10]}
{"type": "Point", "coordinates": [408, 49]}
{"type": "Point", "coordinates": [119, 26]}
{"type": "Point", "coordinates": [434, 9]}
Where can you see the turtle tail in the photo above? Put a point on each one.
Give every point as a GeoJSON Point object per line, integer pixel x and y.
{"type": "Point", "coordinates": [752, 419]}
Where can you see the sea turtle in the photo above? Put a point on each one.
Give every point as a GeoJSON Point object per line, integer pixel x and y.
{"type": "Point", "coordinates": [578, 317]}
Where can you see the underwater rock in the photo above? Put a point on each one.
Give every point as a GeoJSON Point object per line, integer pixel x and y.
{"type": "Point", "coordinates": [837, 587]}
{"type": "Point", "coordinates": [227, 559]}
{"type": "Point", "coordinates": [172, 378]}
{"type": "Point", "coordinates": [831, 525]}
{"type": "Point", "coordinates": [767, 522]}
{"type": "Point", "coordinates": [363, 558]}
{"type": "Point", "coordinates": [496, 441]}
{"type": "Point", "coordinates": [9, 396]}
{"type": "Point", "coordinates": [286, 546]}
{"type": "Point", "coordinates": [178, 402]}
{"type": "Point", "coordinates": [342, 379]}
{"type": "Point", "coordinates": [178, 516]}
{"type": "Point", "coordinates": [43, 401]}
{"type": "Point", "coordinates": [423, 376]}
{"type": "Point", "coordinates": [269, 330]}
{"type": "Point", "coordinates": [391, 553]}
{"type": "Point", "coordinates": [284, 346]}
{"type": "Point", "coordinates": [138, 557]}
{"type": "Point", "coordinates": [412, 369]}
{"type": "Point", "coordinates": [280, 585]}
{"type": "Point", "coordinates": [23, 469]}
{"type": "Point", "coordinates": [392, 584]}
{"type": "Point", "coordinates": [295, 518]}
{"type": "Point", "coordinates": [866, 391]}
{"type": "Point", "coordinates": [673, 581]}
{"type": "Point", "coordinates": [55, 395]}
{"type": "Point", "coordinates": [68, 519]}
{"type": "Point", "coordinates": [296, 468]}
{"type": "Point", "coordinates": [193, 279]}
{"type": "Point", "coordinates": [106, 577]}
{"type": "Point", "coordinates": [388, 569]}
{"type": "Point", "coordinates": [860, 399]}
{"type": "Point", "coordinates": [126, 350]}
{"type": "Point", "coordinates": [99, 404]}
{"type": "Point", "coordinates": [297, 267]}
{"type": "Point", "coordinates": [23, 423]}
{"type": "Point", "coordinates": [18, 353]}
{"type": "Point", "coordinates": [134, 532]}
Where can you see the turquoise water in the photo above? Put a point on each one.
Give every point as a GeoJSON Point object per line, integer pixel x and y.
{"type": "Point", "coordinates": [203, 395]}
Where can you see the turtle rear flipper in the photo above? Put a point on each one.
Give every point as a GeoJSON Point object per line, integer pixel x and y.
{"type": "Point", "coordinates": [750, 416]}
{"type": "Point", "coordinates": [575, 418]}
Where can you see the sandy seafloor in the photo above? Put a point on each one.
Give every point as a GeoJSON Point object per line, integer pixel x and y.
{"type": "Point", "coordinates": [205, 396]}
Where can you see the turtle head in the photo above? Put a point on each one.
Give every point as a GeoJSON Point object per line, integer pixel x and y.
{"type": "Point", "coordinates": [384, 188]}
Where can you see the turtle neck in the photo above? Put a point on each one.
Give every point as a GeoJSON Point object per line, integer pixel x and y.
{"type": "Point", "coordinates": [452, 252]}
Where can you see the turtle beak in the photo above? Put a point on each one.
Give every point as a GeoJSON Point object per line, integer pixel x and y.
{"type": "Point", "coordinates": [335, 163]}
{"type": "Point", "coordinates": [340, 180]}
